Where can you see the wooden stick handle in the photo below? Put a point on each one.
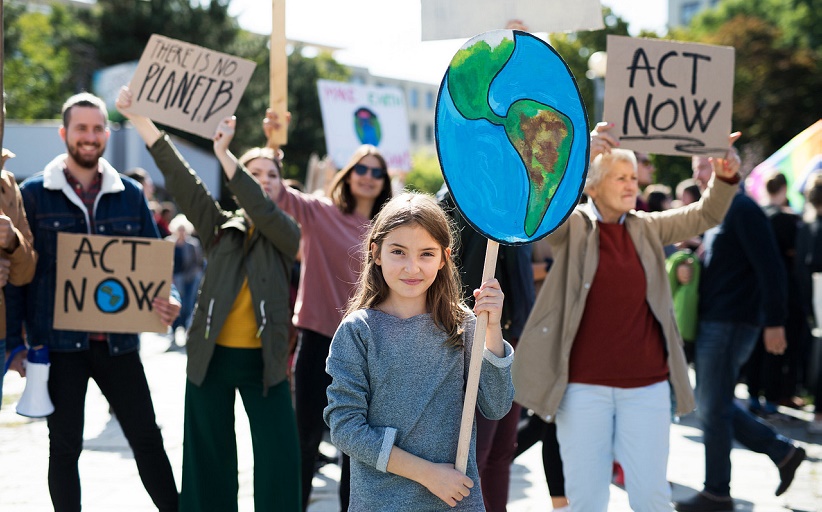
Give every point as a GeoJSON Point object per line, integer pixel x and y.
{"type": "Point", "coordinates": [278, 85]}
{"type": "Point", "coordinates": [472, 386]}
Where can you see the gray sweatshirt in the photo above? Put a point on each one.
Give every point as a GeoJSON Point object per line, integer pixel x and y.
{"type": "Point", "coordinates": [394, 382]}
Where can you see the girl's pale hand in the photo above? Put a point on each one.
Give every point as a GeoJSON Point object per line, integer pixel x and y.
{"type": "Point", "coordinates": [601, 141]}
{"type": "Point", "coordinates": [224, 134]}
{"type": "Point", "coordinates": [728, 167]}
{"type": "Point", "coordinates": [448, 484]}
{"type": "Point", "coordinates": [489, 297]}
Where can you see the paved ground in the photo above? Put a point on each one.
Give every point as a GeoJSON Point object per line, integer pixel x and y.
{"type": "Point", "coordinates": [110, 480]}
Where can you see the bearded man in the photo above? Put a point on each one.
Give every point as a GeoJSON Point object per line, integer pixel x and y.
{"type": "Point", "coordinates": [80, 192]}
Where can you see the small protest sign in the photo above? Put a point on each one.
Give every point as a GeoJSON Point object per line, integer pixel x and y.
{"type": "Point", "coordinates": [669, 97]}
{"type": "Point", "coordinates": [106, 284]}
{"type": "Point", "coordinates": [452, 19]}
{"type": "Point", "coordinates": [361, 114]}
{"type": "Point", "coordinates": [187, 86]}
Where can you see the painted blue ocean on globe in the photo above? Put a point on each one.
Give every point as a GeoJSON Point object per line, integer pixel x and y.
{"type": "Point", "coordinates": [514, 180]}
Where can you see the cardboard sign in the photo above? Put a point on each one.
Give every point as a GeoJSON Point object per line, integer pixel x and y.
{"type": "Point", "coordinates": [360, 114]}
{"type": "Point", "coordinates": [669, 97]}
{"type": "Point", "coordinates": [187, 86]}
{"type": "Point", "coordinates": [106, 284]}
{"type": "Point", "coordinates": [452, 19]}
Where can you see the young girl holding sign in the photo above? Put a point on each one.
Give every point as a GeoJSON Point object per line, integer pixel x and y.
{"type": "Point", "coordinates": [333, 229]}
{"type": "Point", "coordinates": [238, 339]}
{"type": "Point", "coordinates": [399, 362]}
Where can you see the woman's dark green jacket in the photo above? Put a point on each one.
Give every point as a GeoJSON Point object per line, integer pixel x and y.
{"type": "Point", "coordinates": [266, 258]}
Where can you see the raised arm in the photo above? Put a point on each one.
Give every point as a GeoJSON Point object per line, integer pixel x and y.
{"type": "Point", "coordinates": [222, 138]}
{"type": "Point", "coordinates": [189, 192]}
{"type": "Point", "coordinates": [274, 224]}
{"type": "Point", "coordinates": [144, 126]}
{"type": "Point", "coordinates": [682, 223]}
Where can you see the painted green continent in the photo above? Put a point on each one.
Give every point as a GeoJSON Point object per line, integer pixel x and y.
{"type": "Point", "coordinates": [542, 136]}
{"type": "Point", "coordinates": [470, 75]}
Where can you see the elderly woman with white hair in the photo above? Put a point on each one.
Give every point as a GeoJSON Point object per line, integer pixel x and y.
{"type": "Point", "coordinates": [601, 352]}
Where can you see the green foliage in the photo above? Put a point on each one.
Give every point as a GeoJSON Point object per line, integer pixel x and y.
{"type": "Point", "coordinates": [305, 133]}
{"type": "Point", "coordinates": [799, 22]}
{"type": "Point", "coordinates": [576, 47]}
{"type": "Point", "coordinates": [125, 27]}
{"type": "Point", "coordinates": [670, 170]}
{"type": "Point", "coordinates": [425, 175]}
{"type": "Point", "coordinates": [777, 75]}
{"type": "Point", "coordinates": [47, 58]}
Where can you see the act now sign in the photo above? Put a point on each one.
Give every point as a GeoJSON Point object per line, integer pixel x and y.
{"type": "Point", "coordinates": [359, 114]}
{"type": "Point", "coordinates": [107, 284]}
{"type": "Point", "coordinates": [669, 97]}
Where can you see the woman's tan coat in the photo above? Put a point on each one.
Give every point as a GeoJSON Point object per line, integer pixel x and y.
{"type": "Point", "coordinates": [540, 368]}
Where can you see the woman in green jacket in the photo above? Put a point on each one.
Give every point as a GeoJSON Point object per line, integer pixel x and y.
{"type": "Point", "coordinates": [238, 340]}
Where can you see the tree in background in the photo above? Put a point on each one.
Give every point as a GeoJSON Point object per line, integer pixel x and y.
{"type": "Point", "coordinates": [576, 47]}
{"type": "Point", "coordinates": [48, 57]}
{"type": "Point", "coordinates": [778, 75]}
{"type": "Point", "coordinates": [51, 56]}
{"type": "Point", "coordinates": [211, 26]}
{"type": "Point", "coordinates": [425, 175]}
{"type": "Point", "coordinates": [125, 27]}
{"type": "Point", "coordinates": [305, 133]}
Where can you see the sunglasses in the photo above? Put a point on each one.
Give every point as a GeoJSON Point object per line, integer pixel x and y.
{"type": "Point", "coordinates": [362, 170]}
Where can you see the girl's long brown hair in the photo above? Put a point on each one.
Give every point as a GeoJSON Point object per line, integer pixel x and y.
{"type": "Point", "coordinates": [444, 297]}
{"type": "Point", "coordinates": [340, 191]}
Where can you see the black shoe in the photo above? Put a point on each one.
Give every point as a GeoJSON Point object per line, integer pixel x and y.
{"type": "Point", "coordinates": [788, 470]}
{"type": "Point", "coordinates": [703, 503]}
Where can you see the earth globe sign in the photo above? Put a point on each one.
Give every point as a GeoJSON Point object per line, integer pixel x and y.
{"type": "Point", "coordinates": [512, 136]}
{"type": "Point", "coordinates": [110, 296]}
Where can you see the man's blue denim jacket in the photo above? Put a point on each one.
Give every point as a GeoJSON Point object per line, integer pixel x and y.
{"type": "Point", "coordinates": [52, 207]}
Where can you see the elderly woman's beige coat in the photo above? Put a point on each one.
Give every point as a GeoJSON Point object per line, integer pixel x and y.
{"type": "Point", "coordinates": [540, 368]}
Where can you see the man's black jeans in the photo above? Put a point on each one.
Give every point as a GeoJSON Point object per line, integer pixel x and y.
{"type": "Point", "coordinates": [122, 380]}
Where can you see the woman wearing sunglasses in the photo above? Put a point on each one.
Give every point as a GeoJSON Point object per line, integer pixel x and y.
{"type": "Point", "coordinates": [333, 228]}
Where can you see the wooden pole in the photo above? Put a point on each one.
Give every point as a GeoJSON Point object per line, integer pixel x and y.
{"type": "Point", "coordinates": [472, 386]}
{"type": "Point", "coordinates": [278, 88]}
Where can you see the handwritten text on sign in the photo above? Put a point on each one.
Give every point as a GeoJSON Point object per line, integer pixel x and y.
{"type": "Point", "coordinates": [187, 86]}
{"type": "Point", "coordinates": [361, 114]}
{"type": "Point", "coordinates": [669, 97]}
{"type": "Point", "coordinates": [107, 284]}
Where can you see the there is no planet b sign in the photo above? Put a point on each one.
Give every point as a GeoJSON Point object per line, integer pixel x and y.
{"type": "Point", "coordinates": [512, 136]}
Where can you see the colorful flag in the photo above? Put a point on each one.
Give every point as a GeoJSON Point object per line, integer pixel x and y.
{"type": "Point", "coordinates": [799, 159]}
